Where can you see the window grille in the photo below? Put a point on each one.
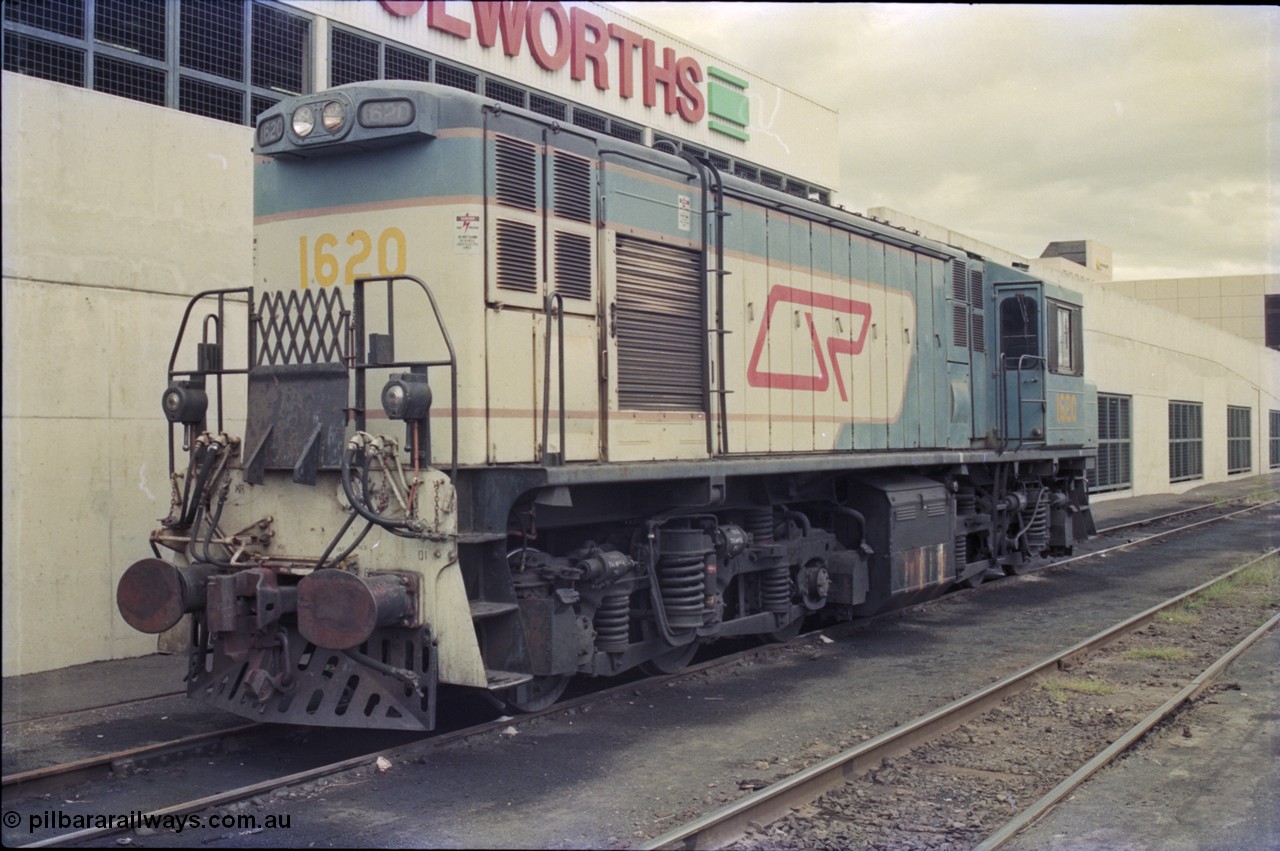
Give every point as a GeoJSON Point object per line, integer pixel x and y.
{"type": "Point", "coordinates": [1239, 440]}
{"type": "Point", "coordinates": [280, 48]}
{"type": "Point", "coordinates": [504, 92]}
{"type": "Point", "coordinates": [201, 97]}
{"type": "Point", "coordinates": [128, 79]}
{"type": "Point", "coordinates": [137, 26]}
{"type": "Point", "coordinates": [548, 107]}
{"type": "Point", "coordinates": [122, 47]}
{"type": "Point", "coordinates": [1186, 441]}
{"type": "Point", "coordinates": [589, 120]}
{"type": "Point", "coordinates": [626, 132]}
{"type": "Point", "coordinates": [1274, 417]}
{"type": "Point", "coordinates": [211, 38]}
{"type": "Point", "coordinates": [47, 60]}
{"type": "Point", "coordinates": [64, 17]}
{"type": "Point", "coordinates": [1115, 444]}
{"type": "Point", "coordinates": [447, 75]}
{"type": "Point", "coordinates": [351, 58]}
{"type": "Point", "coordinates": [403, 65]}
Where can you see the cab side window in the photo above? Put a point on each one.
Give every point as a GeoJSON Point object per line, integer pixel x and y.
{"type": "Point", "coordinates": [1066, 340]}
{"type": "Point", "coordinates": [1019, 328]}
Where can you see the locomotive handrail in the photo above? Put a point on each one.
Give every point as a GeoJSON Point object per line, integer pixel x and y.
{"type": "Point", "coordinates": [219, 324]}
{"type": "Point", "coordinates": [701, 168]}
{"type": "Point", "coordinates": [360, 366]}
{"type": "Point", "coordinates": [548, 306]}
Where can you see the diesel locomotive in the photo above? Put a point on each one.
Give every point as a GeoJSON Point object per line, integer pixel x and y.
{"type": "Point", "coordinates": [509, 401]}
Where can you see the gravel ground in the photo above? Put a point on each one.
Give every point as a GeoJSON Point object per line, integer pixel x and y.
{"type": "Point", "coordinates": [953, 793]}
{"type": "Point", "coordinates": [632, 768]}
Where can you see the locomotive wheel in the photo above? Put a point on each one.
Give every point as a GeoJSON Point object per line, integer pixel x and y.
{"type": "Point", "coordinates": [537, 694]}
{"type": "Point", "coordinates": [671, 662]}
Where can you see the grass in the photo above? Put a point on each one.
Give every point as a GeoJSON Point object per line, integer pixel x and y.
{"type": "Point", "coordinates": [1258, 585]}
{"type": "Point", "coordinates": [1170, 654]}
{"type": "Point", "coordinates": [1060, 689]}
{"type": "Point", "coordinates": [1177, 615]}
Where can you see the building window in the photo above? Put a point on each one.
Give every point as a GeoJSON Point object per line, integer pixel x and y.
{"type": "Point", "coordinates": [1115, 444]}
{"type": "Point", "coordinates": [1186, 441]}
{"type": "Point", "coordinates": [1239, 440]}
{"type": "Point", "coordinates": [1272, 307]}
{"type": "Point", "coordinates": [1275, 439]}
{"type": "Point", "coordinates": [224, 60]}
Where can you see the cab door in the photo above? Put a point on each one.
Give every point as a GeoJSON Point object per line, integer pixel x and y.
{"type": "Point", "coordinates": [1022, 374]}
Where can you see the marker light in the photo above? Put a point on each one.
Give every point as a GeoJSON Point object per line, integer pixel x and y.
{"type": "Point", "coordinates": [304, 120]}
{"type": "Point", "coordinates": [333, 116]}
{"type": "Point", "coordinates": [184, 403]}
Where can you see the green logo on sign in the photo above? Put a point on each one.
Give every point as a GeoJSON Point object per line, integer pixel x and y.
{"type": "Point", "coordinates": [726, 99]}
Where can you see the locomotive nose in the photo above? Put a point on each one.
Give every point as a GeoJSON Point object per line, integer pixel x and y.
{"type": "Point", "coordinates": [153, 594]}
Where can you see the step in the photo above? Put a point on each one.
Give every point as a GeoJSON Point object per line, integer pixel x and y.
{"type": "Point", "coordinates": [485, 609]}
{"type": "Point", "coordinates": [506, 679]}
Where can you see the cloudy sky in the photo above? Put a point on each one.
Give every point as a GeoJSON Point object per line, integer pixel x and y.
{"type": "Point", "coordinates": [1153, 130]}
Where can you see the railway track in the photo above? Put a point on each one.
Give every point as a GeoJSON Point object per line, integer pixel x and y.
{"type": "Point", "coordinates": [799, 799]}
{"type": "Point", "coordinates": [19, 784]}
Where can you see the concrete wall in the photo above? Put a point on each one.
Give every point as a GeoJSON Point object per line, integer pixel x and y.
{"type": "Point", "coordinates": [113, 213]}
{"type": "Point", "coordinates": [1234, 304]}
{"type": "Point", "coordinates": [1140, 350]}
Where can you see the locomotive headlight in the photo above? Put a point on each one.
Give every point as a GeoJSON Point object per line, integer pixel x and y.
{"type": "Point", "coordinates": [304, 120]}
{"type": "Point", "coordinates": [407, 397]}
{"type": "Point", "coordinates": [333, 116]}
{"type": "Point", "coordinates": [184, 403]}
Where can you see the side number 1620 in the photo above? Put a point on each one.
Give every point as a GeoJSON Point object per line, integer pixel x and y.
{"type": "Point", "coordinates": [322, 259]}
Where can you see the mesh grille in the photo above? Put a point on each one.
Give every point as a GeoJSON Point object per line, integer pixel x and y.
{"type": "Point", "coordinates": [128, 79]}
{"type": "Point", "coordinates": [572, 187]}
{"type": "Point", "coordinates": [351, 58]}
{"type": "Point", "coordinates": [548, 107]}
{"type": "Point", "coordinates": [573, 265]}
{"type": "Point", "coordinates": [517, 257]}
{"type": "Point", "coordinates": [447, 75]}
{"type": "Point", "coordinates": [64, 17]}
{"type": "Point", "coordinates": [659, 327]}
{"type": "Point", "coordinates": [258, 105]}
{"type": "Point", "coordinates": [201, 97]}
{"type": "Point", "coordinates": [133, 25]}
{"type": "Point", "coordinates": [1274, 421]}
{"type": "Point", "coordinates": [212, 38]}
{"type": "Point", "coordinates": [515, 169]}
{"type": "Point", "coordinates": [36, 57]}
{"type": "Point", "coordinates": [589, 120]}
{"type": "Point", "coordinates": [402, 65]}
{"type": "Point", "coordinates": [626, 132]}
{"type": "Point", "coordinates": [746, 172]}
{"type": "Point", "coordinates": [504, 92]}
{"type": "Point", "coordinates": [279, 50]}
{"type": "Point", "coordinates": [773, 181]}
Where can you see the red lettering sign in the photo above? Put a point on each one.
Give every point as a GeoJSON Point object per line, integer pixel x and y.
{"type": "Point", "coordinates": [576, 38]}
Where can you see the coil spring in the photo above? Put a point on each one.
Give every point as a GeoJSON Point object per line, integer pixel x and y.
{"type": "Point", "coordinates": [759, 522]}
{"type": "Point", "coordinates": [775, 590]}
{"type": "Point", "coordinates": [966, 503]}
{"type": "Point", "coordinates": [1036, 522]}
{"type": "Point", "coordinates": [613, 623]}
{"type": "Point", "coordinates": [681, 579]}
{"type": "Point", "coordinates": [962, 550]}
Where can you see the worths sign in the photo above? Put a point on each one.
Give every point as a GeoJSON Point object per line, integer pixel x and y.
{"type": "Point", "coordinates": [600, 57]}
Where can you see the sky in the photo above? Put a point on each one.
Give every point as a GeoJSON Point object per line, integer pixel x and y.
{"type": "Point", "coordinates": [1153, 130]}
